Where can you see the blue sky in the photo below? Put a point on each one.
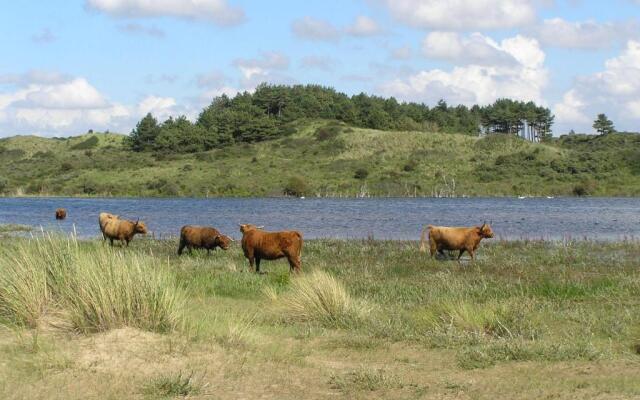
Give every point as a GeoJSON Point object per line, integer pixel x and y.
{"type": "Point", "coordinates": [73, 65]}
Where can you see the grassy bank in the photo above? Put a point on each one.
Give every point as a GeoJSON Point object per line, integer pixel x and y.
{"type": "Point", "coordinates": [367, 319]}
{"type": "Point", "coordinates": [323, 158]}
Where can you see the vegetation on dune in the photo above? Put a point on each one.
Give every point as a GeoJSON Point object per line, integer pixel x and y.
{"type": "Point", "coordinates": [365, 318]}
{"type": "Point", "coordinates": [325, 158]}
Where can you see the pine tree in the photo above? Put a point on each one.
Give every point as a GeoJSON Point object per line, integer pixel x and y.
{"type": "Point", "coordinates": [143, 137]}
{"type": "Point", "coordinates": [603, 125]}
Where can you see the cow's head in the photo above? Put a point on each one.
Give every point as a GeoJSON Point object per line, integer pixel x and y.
{"type": "Point", "coordinates": [244, 228]}
{"type": "Point", "coordinates": [485, 231]}
{"type": "Point", "coordinates": [223, 241]}
{"type": "Point", "coordinates": [140, 227]}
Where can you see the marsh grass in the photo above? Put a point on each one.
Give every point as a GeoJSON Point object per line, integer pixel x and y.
{"type": "Point", "coordinates": [180, 384]}
{"type": "Point", "coordinates": [94, 288]}
{"type": "Point", "coordinates": [318, 297]}
{"type": "Point", "coordinates": [365, 379]}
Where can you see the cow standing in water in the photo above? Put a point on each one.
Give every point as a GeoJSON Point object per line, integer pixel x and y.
{"type": "Point", "coordinates": [61, 214]}
{"type": "Point", "coordinates": [260, 245]}
{"type": "Point", "coordinates": [448, 238]}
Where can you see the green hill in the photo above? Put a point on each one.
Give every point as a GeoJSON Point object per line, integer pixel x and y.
{"type": "Point", "coordinates": [326, 158]}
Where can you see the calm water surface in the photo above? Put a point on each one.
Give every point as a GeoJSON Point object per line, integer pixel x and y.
{"type": "Point", "coordinates": [578, 218]}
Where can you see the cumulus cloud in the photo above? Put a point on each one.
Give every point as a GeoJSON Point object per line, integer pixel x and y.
{"type": "Point", "coordinates": [615, 91]}
{"type": "Point", "coordinates": [267, 68]}
{"type": "Point", "coordinates": [364, 26]}
{"type": "Point", "coordinates": [400, 53]}
{"type": "Point", "coordinates": [463, 15]}
{"type": "Point", "coordinates": [315, 29]}
{"type": "Point", "coordinates": [479, 83]}
{"type": "Point", "coordinates": [318, 62]}
{"type": "Point", "coordinates": [138, 29]}
{"type": "Point", "coordinates": [473, 49]}
{"type": "Point", "coordinates": [218, 12]}
{"type": "Point", "coordinates": [557, 32]}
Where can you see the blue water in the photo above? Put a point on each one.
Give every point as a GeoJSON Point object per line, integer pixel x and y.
{"type": "Point", "coordinates": [511, 218]}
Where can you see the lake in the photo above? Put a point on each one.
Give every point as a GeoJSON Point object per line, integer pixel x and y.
{"type": "Point", "coordinates": [381, 218]}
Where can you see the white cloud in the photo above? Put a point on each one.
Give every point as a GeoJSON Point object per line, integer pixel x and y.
{"type": "Point", "coordinates": [218, 12]}
{"type": "Point", "coordinates": [400, 53]}
{"type": "Point", "coordinates": [473, 49]}
{"type": "Point", "coordinates": [318, 62]}
{"type": "Point", "coordinates": [138, 29]}
{"type": "Point", "coordinates": [364, 26]}
{"type": "Point", "coordinates": [463, 15]}
{"type": "Point", "coordinates": [315, 29]}
{"type": "Point", "coordinates": [266, 68]}
{"type": "Point", "coordinates": [51, 106]}
{"type": "Point", "coordinates": [479, 83]}
{"type": "Point", "coordinates": [614, 91]}
{"type": "Point", "coordinates": [557, 32]}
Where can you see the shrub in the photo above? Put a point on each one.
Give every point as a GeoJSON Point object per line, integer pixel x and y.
{"type": "Point", "coordinates": [361, 173]}
{"type": "Point", "coordinates": [327, 132]}
{"type": "Point", "coordinates": [410, 166]}
{"type": "Point", "coordinates": [90, 143]}
{"type": "Point", "coordinates": [174, 385]}
{"type": "Point", "coordinates": [318, 297]}
{"type": "Point", "coordinates": [584, 188]}
{"type": "Point", "coordinates": [296, 186]}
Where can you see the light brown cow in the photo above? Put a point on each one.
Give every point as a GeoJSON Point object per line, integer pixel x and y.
{"type": "Point", "coordinates": [448, 238]}
{"type": "Point", "coordinates": [61, 213]}
{"type": "Point", "coordinates": [202, 237]}
{"type": "Point", "coordinates": [103, 218]}
{"type": "Point", "coordinates": [123, 230]}
{"type": "Point", "coordinates": [260, 245]}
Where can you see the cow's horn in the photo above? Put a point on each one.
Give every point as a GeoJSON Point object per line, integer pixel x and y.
{"type": "Point", "coordinates": [260, 227]}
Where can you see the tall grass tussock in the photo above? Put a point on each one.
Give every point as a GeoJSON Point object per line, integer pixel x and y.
{"type": "Point", "coordinates": [318, 297]}
{"type": "Point", "coordinates": [91, 287]}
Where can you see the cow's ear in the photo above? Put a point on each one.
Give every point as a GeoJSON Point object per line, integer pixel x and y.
{"type": "Point", "coordinates": [216, 238]}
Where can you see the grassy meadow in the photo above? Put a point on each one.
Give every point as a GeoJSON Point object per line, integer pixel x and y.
{"type": "Point", "coordinates": [366, 319]}
{"type": "Point", "coordinates": [325, 158]}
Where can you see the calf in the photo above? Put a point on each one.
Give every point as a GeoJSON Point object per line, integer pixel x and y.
{"type": "Point", "coordinates": [202, 237]}
{"type": "Point", "coordinates": [260, 245]}
{"type": "Point", "coordinates": [448, 238]}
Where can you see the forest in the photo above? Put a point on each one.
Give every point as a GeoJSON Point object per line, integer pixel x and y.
{"type": "Point", "coordinates": [269, 112]}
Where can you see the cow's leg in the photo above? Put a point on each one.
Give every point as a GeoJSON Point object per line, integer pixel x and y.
{"type": "Point", "coordinates": [251, 261]}
{"type": "Point", "coordinates": [472, 254]}
{"type": "Point", "coordinates": [181, 247]}
{"type": "Point", "coordinates": [111, 241]}
{"type": "Point", "coordinates": [460, 255]}
{"type": "Point", "coordinates": [258, 265]}
{"type": "Point", "coordinates": [294, 263]}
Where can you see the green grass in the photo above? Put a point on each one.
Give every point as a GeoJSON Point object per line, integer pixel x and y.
{"type": "Point", "coordinates": [348, 162]}
{"type": "Point", "coordinates": [365, 318]}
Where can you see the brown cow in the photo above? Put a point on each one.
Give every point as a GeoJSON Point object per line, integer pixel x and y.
{"type": "Point", "coordinates": [260, 245]}
{"type": "Point", "coordinates": [123, 230]}
{"type": "Point", "coordinates": [61, 213]}
{"type": "Point", "coordinates": [202, 237]}
{"type": "Point", "coordinates": [447, 238]}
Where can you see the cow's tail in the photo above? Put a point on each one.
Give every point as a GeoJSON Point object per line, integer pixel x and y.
{"type": "Point", "coordinates": [299, 247]}
{"type": "Point", "coordinates": [423, 237]}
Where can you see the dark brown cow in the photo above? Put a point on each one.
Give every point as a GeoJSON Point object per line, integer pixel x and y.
{"type": "Point", "coordinates": [448, 238]}
{"type": "Point", "coordinates": [202, 237]}
{"type": "Point", "coordinates": [61, 213]}
{"type": "Point", "coordinates": [122, 230]}
{"type": "Point", "coordinates": [261, 245]}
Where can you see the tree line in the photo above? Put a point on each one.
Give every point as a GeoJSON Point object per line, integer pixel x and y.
{"type": "Point", "coordinates": [267, 113]}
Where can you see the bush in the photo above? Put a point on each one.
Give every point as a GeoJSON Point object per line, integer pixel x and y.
{"type": "Point", "coordinates": [318, 297]}
{"type": "Point", "coordinates": [361, 173]}
{"type": "Point", "coordinates": [296, 186]}
{"type": "Point", "coordinates": [90, 143]}
{"type": "Point", "coordinates": [410, 166]}
{"type": "Point", "coordinates": [585, 188]}
{"type": "Point", "coordinates": [96, 289]}
{"type": "Point", "coordinates": [327, 132]}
